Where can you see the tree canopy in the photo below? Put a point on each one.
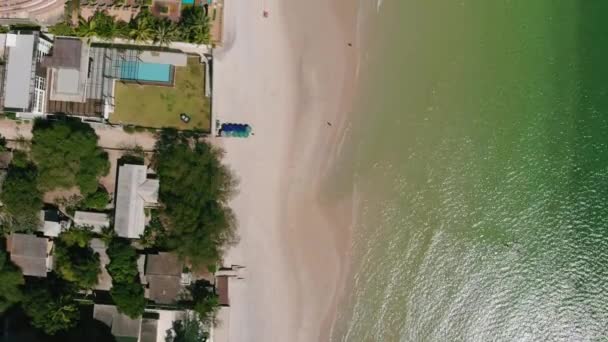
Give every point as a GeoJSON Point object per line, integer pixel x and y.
{"type": "Point", "coordinates": [97, 201]}
{"type": "Point", "coordinates": [123, 261]}
{"type": "Point", "coordinates": [67, 155]}
{"type": "Point", "coordinates": [194, 27]}
{"type": "Point", "coordinates": [194, 189]}
{"type": "Point", "coordinates": [11, 280]}
{"type": "Point", "coordinates": [206, 301]}
{"type": "Point", "coordinates": [21, 198]}
{"type": "Point", "coordinates": [127, 292]}
{"type": "Point", "coordinates": [129, 298]}
{"type": "Point", "coordinates": [189, 329]}
{"type": "Point", "coordinates": [75, 261]}
{"type": "Point", "coordinates": [50, 304]}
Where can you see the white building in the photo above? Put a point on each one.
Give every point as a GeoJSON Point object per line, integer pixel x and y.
{"type": "Point", "coordinates": [134, 192]}
{"type": "Point", "coordinates": [24, 88]}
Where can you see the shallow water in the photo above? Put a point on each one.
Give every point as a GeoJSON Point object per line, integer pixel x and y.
{"type": "Point", "coordinates": [481, 158]}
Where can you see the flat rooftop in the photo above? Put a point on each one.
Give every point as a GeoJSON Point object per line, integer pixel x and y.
{"type": "Point", "coordinates": [19, 70]}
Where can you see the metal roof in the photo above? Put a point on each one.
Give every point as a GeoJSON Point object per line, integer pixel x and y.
{"type": "Point", "coordinates": [29, 252]}
{"type": "Point", "coordinates": [133, 192]}
{"type": "Point", "coordinates": [121, 324]}
{"type": "Point", "coordinates": [19, 70]}
{"type": "Point", "coordinates": [97, 221]}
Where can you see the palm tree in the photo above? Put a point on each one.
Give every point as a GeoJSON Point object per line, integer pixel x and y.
{"type": "Point", "coordinates": [142, 29]}
{"type": "Point", "coordinates": [199, 32]}
{"type": "Point", "coordinates": [165, 32]}
{"type": "Point", "coordinates": [87, 28]}
{"type": "Point", "coordinates": [196, 24]}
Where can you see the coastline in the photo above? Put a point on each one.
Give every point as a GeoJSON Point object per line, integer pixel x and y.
{"type": "Point", "coordinates": [320, 216]}
{"type": "Point", "coordinates": [294, 240]}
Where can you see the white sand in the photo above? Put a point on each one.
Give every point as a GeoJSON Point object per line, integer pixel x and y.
{"type": "Point", "coordinates": [287, 82]}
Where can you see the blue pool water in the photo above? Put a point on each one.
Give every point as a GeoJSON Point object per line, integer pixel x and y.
{"type": "Point", "coordinates": [188, 2]}
{"type": "Point", "coordinates": [132, 70]}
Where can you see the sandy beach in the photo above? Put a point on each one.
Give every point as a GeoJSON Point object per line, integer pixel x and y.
{"type": "Point", "coordinates": [291, 77]}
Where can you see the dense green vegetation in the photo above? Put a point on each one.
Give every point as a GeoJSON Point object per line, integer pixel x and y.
{"type": "Point", "coordinates": [155, 234]}
{"type": "Point", "coordinates": [189, 329]}
{"type": "Point", "coordinates": [194, 189]}
{"type": "Point", "coordinates": [127, 292]}
{"type": "Point", "coordinates": [21, 198]}
{"type": "Point", "coordinates": [67, 155]}
{"type": "Point", "coordinates": [206, 301]}
{"type": "Point", "coordinates": [50, 304]}
{"type": "Point", "coordinates": [75, 260]}
{"type": "Point", "coordinates": [97, 201]}
{"type": "Point", "coordinates": [11, 280]}
{"type": "Point", "coordinates": [193, 27]}
{"type": "Point", "coordinates": [129, 298]}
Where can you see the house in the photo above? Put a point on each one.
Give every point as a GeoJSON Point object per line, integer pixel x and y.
{"type": "Point", "coordinates": [67, 68]}
{"type": "Point", "coordinates": [24, 86]}
{"type": "Point", "coordinates": [104, 280]}
{"type": "Point", "coordinates": [52, 222]}
{"type": "Point", "coordinates": [163, 275]}
{"type": "Point", "coordinates": [96, 221]}
{"type": "Point", "coordinates": [121, 325]}
{"type": "Point", "coordinates": [134, 192]}
{"type": "Point", "coordinates": [31, 254]}
{"type": "Point", "coordinates": [72, 87]}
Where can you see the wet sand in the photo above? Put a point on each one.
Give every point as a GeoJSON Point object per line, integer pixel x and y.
{"type": "Point", "coordinates": [291, 77]}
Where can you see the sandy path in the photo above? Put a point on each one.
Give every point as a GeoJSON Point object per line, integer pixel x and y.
{"type": "Point", "coordinates": [287, 82]}
{"type": "Point", "coordinates": [109, 137]}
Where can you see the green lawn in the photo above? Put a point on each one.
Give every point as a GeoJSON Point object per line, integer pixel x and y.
{"type": "Point", "coordinates": [157, 106]}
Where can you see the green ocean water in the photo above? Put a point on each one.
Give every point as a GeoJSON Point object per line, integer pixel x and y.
{"type": "Point", "coordinates": [481, 163]}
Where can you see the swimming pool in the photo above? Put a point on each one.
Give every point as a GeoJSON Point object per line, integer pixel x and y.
{"type": "Point", "coordinates": [188, 2]}
{"type": "Point", "coordinates": [151, 72]}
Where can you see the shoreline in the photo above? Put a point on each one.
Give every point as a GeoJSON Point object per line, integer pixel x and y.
{"type": "Point", "coordinates": [294, 242]}
{"type": "Point", "coordinates": [328, 66]}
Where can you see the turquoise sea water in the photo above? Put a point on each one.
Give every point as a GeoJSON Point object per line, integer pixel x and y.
{"type": "Point", "coordinates": [481, 158]}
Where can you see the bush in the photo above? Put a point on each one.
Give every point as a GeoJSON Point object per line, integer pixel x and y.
{"type": "Point", "coordinates": [74, 260]}
{"type": "Point", "coordinates": [10, 115]}
{"type": "Point", "coordinates": [67, 155]}
{"type": "Point", "coordinates": [62, 29]}
{"type": "Point", "coordinates": [98, 200]}
{"type": "Point", "coordinates": [127, 293]}
{"type": "Point", "coordinates": [205, 300]}
{"type": "Point", "coordinates": [21, 198]}
{"type": "Point", "coordinates": [123, 261]}
{"type": "Point", "coordinates": [128, 129]}
{"type": "Point", "coordinates": [129, 298]}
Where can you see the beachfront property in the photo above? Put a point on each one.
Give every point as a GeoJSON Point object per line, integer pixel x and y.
{"type": "Point", "coordinates": [30, 253]}
{"type": "Point", "coordinates": [130, 85]}
{"type": "Point", "coordinates": [126, 10]}
{"type": "Point", "coordinates": [23, 85]}
{"type": "Point", "coordinates": [135, 191]}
